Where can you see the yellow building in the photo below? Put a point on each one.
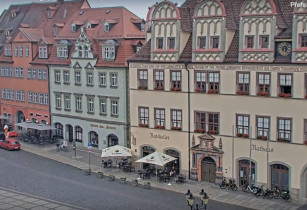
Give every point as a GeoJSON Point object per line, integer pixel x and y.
{"type": "Point", "coordinates": [222, 86]}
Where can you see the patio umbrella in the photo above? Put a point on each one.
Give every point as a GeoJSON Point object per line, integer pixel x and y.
{"type": "Point", "coordinates": [27, 124]}
{"type": "Point", "coordinates": [116, 151]}
{"type": "Point", "coordinates": [156, 158]}
{"type": "Point", "coordinates": [43, 127]}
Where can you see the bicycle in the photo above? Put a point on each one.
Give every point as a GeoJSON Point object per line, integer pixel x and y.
{"type": "Point", "coordinates": [247, 188]}
{"type": "Point", "coordinates": [231, 184]}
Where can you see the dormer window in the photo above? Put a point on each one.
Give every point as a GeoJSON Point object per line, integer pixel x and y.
{"type": "Point", "coordinates": [142, 26]}
{"type": "Point", "coordinates": [88, 25]}
{"type": "Point", "coordinates": [106, 27]}
{"type": "Point", "coordinates": [48, 14]}
{"type": "Point", "coordinates": [62, 49]}
{"type": "Point", "coordinates": [108, 50]}
{"type": "Point", "coordinates": [42, 52]}
{"type": "Point", "coordinates": [7, 50]}
{"type": "Point", "coordinates": [55, 30]}
{"type": "Point", "coordinates": [73, 28]}
{"type": "Point", "coordinates": [13, 14]}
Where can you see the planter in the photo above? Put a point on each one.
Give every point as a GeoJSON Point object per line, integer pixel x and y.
{"type": "Point", "coordinates": [284, 95]}
{"type": "Point", "coordinates": [199, 131]}
{"type": "Point", "coordinates": [198, 90]}
{"type": "Point", "coordinates": [159, 127]}
{"type": "Point", "coordinates": [159, 88]}
{"type": "Point", "coordinates": [212, 132]}
{"type": "Point", "coordinates": [99, 174]}
{"type": "Point", "coordinates": [143, 125]}
{"type": "Point", "coordinates": [111, 178]}
{"type": "Point", "coordinates": [242, 92]}
{"type": "Point", "coordinates": [134, 183]}
{"type": "Point", "coordinates": [87, 171]}
{"type": "Point", "coordinates": [245, 135]}
{"type": "Point", "coordinates": [147, 185]}
{"type": "Point", "coordinates": [213, 91]}
{"type": "Point", "coordinates": [239, 135]}
{"type": "Point", "coordinates": [265, 94]}
{"type": "Point", "coordinates": [122, 180]}
{"type": "Point", "coordinates": [175, 89]}
{"type": "Point", "coordinates": [142, 88]}
{"type": "Point", "coordinates": [176, 128]}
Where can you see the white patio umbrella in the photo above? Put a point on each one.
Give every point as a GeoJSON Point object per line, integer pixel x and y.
{"type": "Point", "coordinates": [27, 124]}
{"type": "Point", "coordinates": [43, 127]}
{"type": "Point", "coordinates": [156, 158]}
{"type": "Point", "coordinates": [116, 151]}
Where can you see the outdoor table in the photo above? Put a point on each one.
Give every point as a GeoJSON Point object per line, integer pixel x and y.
{"type": "Point", "coordinates": [180, 178]}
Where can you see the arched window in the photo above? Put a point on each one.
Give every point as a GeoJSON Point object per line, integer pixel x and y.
{"type": "Point", "coordinates": [85, 51]}
{"type": "Point", "coordinates": [146, 150]}
{"type": "Point", "coordinates": [59, 130]}
{"type": "Point", "coordinates": [79, 133]}
{"type": "Point", "coordinates": [106, 27]}
{"type": "Point", "coordinates": [175, 163]}
{"type": "Point", "coordinates": [93, 138]}
{"type": "Point", "coordinates": [280, 176]}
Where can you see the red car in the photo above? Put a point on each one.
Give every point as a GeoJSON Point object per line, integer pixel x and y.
{"type": "Point", "coordinates": [10, 144]}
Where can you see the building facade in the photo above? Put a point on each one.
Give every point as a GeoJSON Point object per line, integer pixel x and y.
{"type": "Point", "coordinates": [221, 85]}
{"type": "Point", "coordinates": [88, 76]}
{"type": "Point", "coordinates": [24, 51]}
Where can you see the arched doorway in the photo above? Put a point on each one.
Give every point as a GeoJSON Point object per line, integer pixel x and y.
{"type": "Point", "coordinates": [208, 170]}
{"type": "Point", "coordinates": [112, 140]}
{"type": "Point", "coordinates": [244, 170]}
{"type": "Point", "coordinates": [280, 176]}
{"type": "Point", "coordinates": [79, 134]}
{"type": "Point", "coordinates": [93, 138]}
{"type": "Point", "coordinates": [69, 132]}
{"type": "Point", "coordinates": [146, 150]}
{"type": "Point", "coordinates": [20, 117]}
{"type": "Point", "coordinates": [175, 163]}
{"type": "Point", "coordinates": [59, 130]}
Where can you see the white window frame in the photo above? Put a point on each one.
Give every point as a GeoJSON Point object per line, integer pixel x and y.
{"type": "Point", "coordinates": [114, 107]}
{"type": "Point", "coordinates": [114, 79]}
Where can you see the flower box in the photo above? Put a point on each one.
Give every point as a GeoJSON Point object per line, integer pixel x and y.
{"type": "Point", "coordinates": [176, 128]}
{"type": "Point", "coordinates": [306, 96]}
{"type": "Point", "coordinates": [199, 131]}
{"type": "Point", "coordinates": [305, 142]}
{"type": "Point", "coordinates": [143, 125]}
{"type": "Point", "coordinates": [264, 138]}
{"type": "Point", "coordinates": [142, 88]}
{"type": "Point", "coordinates": [175, 89]}
{"type": "Point", "coordinates": [159, 127]}
{"type": "Point", "coordinates": [199, 90]}
{"type": "Point", "coordinates": [283, 140]}
{"type": "Point", "coordinates": [245, 135]}
{"type": "Point", "coordinates": [213, 91]}
{"type": "Point", "coordinates": [212, 132]}
{"type": "Point", "coordinates": [242, 92]}
{"type": "Point", "coordinates": [263, 93]}
{"type": "Point", "coordinates": [159, 88]}
{"type": "Point", "coordinates": [239, 134]}
{"type": "Point", "coordinates": [284, 95]}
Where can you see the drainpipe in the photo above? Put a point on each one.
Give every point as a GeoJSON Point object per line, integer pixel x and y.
{"type": "Point", "coordinates": [128, 128]}
{"type": "Point", "coordinates": [189, 115]}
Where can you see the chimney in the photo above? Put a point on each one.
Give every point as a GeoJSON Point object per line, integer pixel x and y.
{"type": "Point", "coordinates": [60, 2]}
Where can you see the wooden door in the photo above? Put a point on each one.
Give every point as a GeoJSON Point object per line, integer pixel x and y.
{"type": "Point", "coordinates": [208, 170]}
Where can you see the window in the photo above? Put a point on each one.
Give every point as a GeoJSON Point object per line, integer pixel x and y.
{"type": "Point", "coordinates": [90, 105]}
{"type": "Point", "coordinates": [57, 76]}
{"type": "Point", "coordinates": [106, 27]}
{"type": "Point", "coordinates": [264, 41]}
{"type": "Point", "coordinates": [263, 84]}
{"type": "Point", "coordinates": [48, 14]}
{"type": "Point", "coordinates": [159, 43]}
{"type": "Point", "coordinates": [41, 98]}
{"type": "Point", "coordinates": [243, 126]}
{"type": "Point", "coordinates": [215, 42]}
{"type": "Point", "coordinates": [109, 52]}
{"type": "Point", "coordinates": [103, 106]}
{"type": "Point", "coordinates": [66, 77]}
{"type": "Point", "coordinates": [249, 42]}
{"type": "Point", "coordinates": [73, 28]}
{"type": "Point", "coordinates": [80, 51]}
{"type": "Point", "coordinates": [2, 71]}
{"type": "Point", "coordinates": [34, 98]}
{"type": "Point", "coordinates": [7, 50]}
{"type": "Point", "coordinates": [243, 83]}
{"type": "Point", "coordinates": [90, 78]}
{"type": "Point", "coordinates": [33, 73]}
{"type": "Point", "coordinates": [11, 73]}
{"type": "Point", "coordinates": [46, 99]}
{"type": "Point", "coordinates": [79, 134]}
{"type": "Point", "coordinates": [16, 51]}
{"type": "Point", "coordinates": [67, 102]}
{"type": "Point", "coordinates": [202, 42]}
{"type": "Point", "coordinates": [79, 103]}
{"type": "Point", "coordinates": [59, 130]}
{"type": "Point", "coordinates": [78, 77]}
{"type": "Point", "coordinates": [86, 50]}
{"type": "Point", "coordinates": [55, 31]}
{"type": "Point", "coordinates": [176, 119]}
{"type": "Point", "coordinates": [102, 79]}
{"type": "Point", "coordinates": [8, 93]}
{"type": "Point", "coordinates": [160, 118]}
{"type": "Point", "coordinates": [58, 101]}
{"type": "Point", "coordinates": [143, 80]}
{"type": "Point", "coordinates": [175, 80]}
{"type": "Point", "coordinates": [62, 52]}
{"type": "Point", "coordinates": [143, 116]}
{"type": "Point", "coordinates": [263, 127]}
{"type": "Point", "coordinates": [20, 51]}
{"type": "Point", "coordinates": [171, 43]}
{"type": "Point", "coordinates": [114, 107]}
{"type": "Point", "coordinates": [200, 81]}
{"type": "Point", "coordinates": [39, 74]}
{"type": "Point", "coordinates": [27, 51]}
{"type": "Point", "coordinates": [200, 122]}
{"type": "Point", "coordinates": [20, 72]}
{"type": "Point", "coordinates": [29, 74]}
{"type": "Point", "coordinates": [285, 85]}
{"type": "Point", "coordinates": [17, 72]}
{"type": "Point", "coordinates": [43, 52]}
{"type": "Point", "coordinates": [114, 80]}
{"type": "Point", "coordinates": [159, 79]}
{"type": "Point", "coordinates": [44, 74]}
{"type": "Point", "coordinates": [304, 40]}
{"type": "Point", "coordinates": [214, 82]}
{"type": "Point", "coordinates": [17, 95]}
{"type": "Point", "coordinates": [284, 129]}
{"type": "Point", "coordinates": [213, 123]}
{"type": "Point", "coordinates": [12, 95]}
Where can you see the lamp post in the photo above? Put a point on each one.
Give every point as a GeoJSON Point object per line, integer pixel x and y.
{"type": "Point", "coordinates": [191, 200]}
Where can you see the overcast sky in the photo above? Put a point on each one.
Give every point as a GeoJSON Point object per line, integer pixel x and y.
{"type": "Point", "coordinates": [138, 7]}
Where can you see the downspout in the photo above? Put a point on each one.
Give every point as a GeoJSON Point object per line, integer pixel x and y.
{"type": "Point", "coordinates": [128, 128]}
{"type": "Point", "coordinates": [189, 116]}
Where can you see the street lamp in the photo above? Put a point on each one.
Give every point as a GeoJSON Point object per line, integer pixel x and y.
{"type": "Point", "coordinates": [203, 197]}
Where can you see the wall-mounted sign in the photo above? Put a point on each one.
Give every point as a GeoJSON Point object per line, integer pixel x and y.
{"type": "Point", "coordinates": [261, 148]}
{"type": "Point", "coordinates": [159, 136]}
{"type": "Point", "coordinates": [103, 126]}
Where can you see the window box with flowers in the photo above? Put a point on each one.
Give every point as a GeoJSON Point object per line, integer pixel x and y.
{"type": "Point", "coordinates": [262, 138]}
{"type": "Point", "coordinates": [239, 134]}
{"type": "Point", "coordinates": [159, 127]}
{"type": "Point", "coordinates": [245, 136]}
{"type": "Point", "coordinates": [283, 140]}
{"type": "Point", "coordinates": [242, 93]}
{"type": "Point", "coordinates": [263, 93]}
{"type": "Point", "coordinates": [159, 88]}
{"type": "Point", "coordinates": [284, 95]}
{"type": "Point", "coordinates": [175, 89]}
{"type": "Point", "coordinates": [143, 125]}
{"type": "Point", "coordinates": [142, 87]}
{"type": "Point", "coordinates": [305, 142]}
{"type": "Point", "coordinates": [214, 132]}
{"type": "Point", "coordinates": [176, 128]}
{"type": "Point", "coordinates": [306, 96]}
{"type": "Point", "coordinates": [199, 130]}
{"type": "Point", "coordinates": [199, 90]}
{"type": "Point", "coordinates": [213, 91]}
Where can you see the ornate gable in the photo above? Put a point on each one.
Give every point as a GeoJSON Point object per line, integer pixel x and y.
{"type": "Point", "coordinates": [77, 66]}
{"type": "Point", "coordinates": [83, 46]}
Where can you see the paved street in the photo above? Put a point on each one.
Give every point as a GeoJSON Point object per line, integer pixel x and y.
{"type": "Point", "coordinates": [28, 173]}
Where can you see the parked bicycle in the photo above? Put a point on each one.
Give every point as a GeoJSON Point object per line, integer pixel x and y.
{"type": "Point", "coordinates": [231, 184]}
{"type": "Point", "coordinates": [276, 192]}
{"type": "Point", "coordinates": [247, 188]}
{"type": "Point", "coordinates": [285, 194]}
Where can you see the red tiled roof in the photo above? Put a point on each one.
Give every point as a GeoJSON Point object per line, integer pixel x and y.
{"type": "Point", "coordinates": [33, 34]}
{"type": "Point", "coordinates": [143, 54]}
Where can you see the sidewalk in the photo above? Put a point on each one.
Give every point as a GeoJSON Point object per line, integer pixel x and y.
{"type": "Point", "coordinates": [12, 200]}
{"type": "Point", "coordinates": [214, 192]}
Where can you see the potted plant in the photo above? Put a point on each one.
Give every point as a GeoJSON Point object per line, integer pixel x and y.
{"type": "Point", "coordinates": [306, 96]}
{"type": "Point", "coordinates": [159, 127]}
{"type": "Point", "coordinates": [245, 135]}
{"type": "Point", "coordinates": [100, 174]}
{"type": "Point", "coordinates": [143, 125]}
{"type": "Point", "coordinates": [213, 91]}
{"type": "Point", "coordinates": [263, 93]}
{"type": "Point", "coordinates": [159, 88]}
{"type": "Point", "coordinates": [199, 130]}
{"type": "Point", "coordinates": [147, 185]}
{"type": "Point", "coordinates": [264, 138]}
{"type": "Point", "coordinates": [212, 131]}
{"type": "Point", "coordinates": [176, 128]}
{"type": "Point", "coordinates": [284, 95]}
{"type": "Point", "coordinates": [134, 183]}
{"type": "Point", "coordinates": [175, 89]}
{"type": "Point", "coordinates": [111, 177]}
